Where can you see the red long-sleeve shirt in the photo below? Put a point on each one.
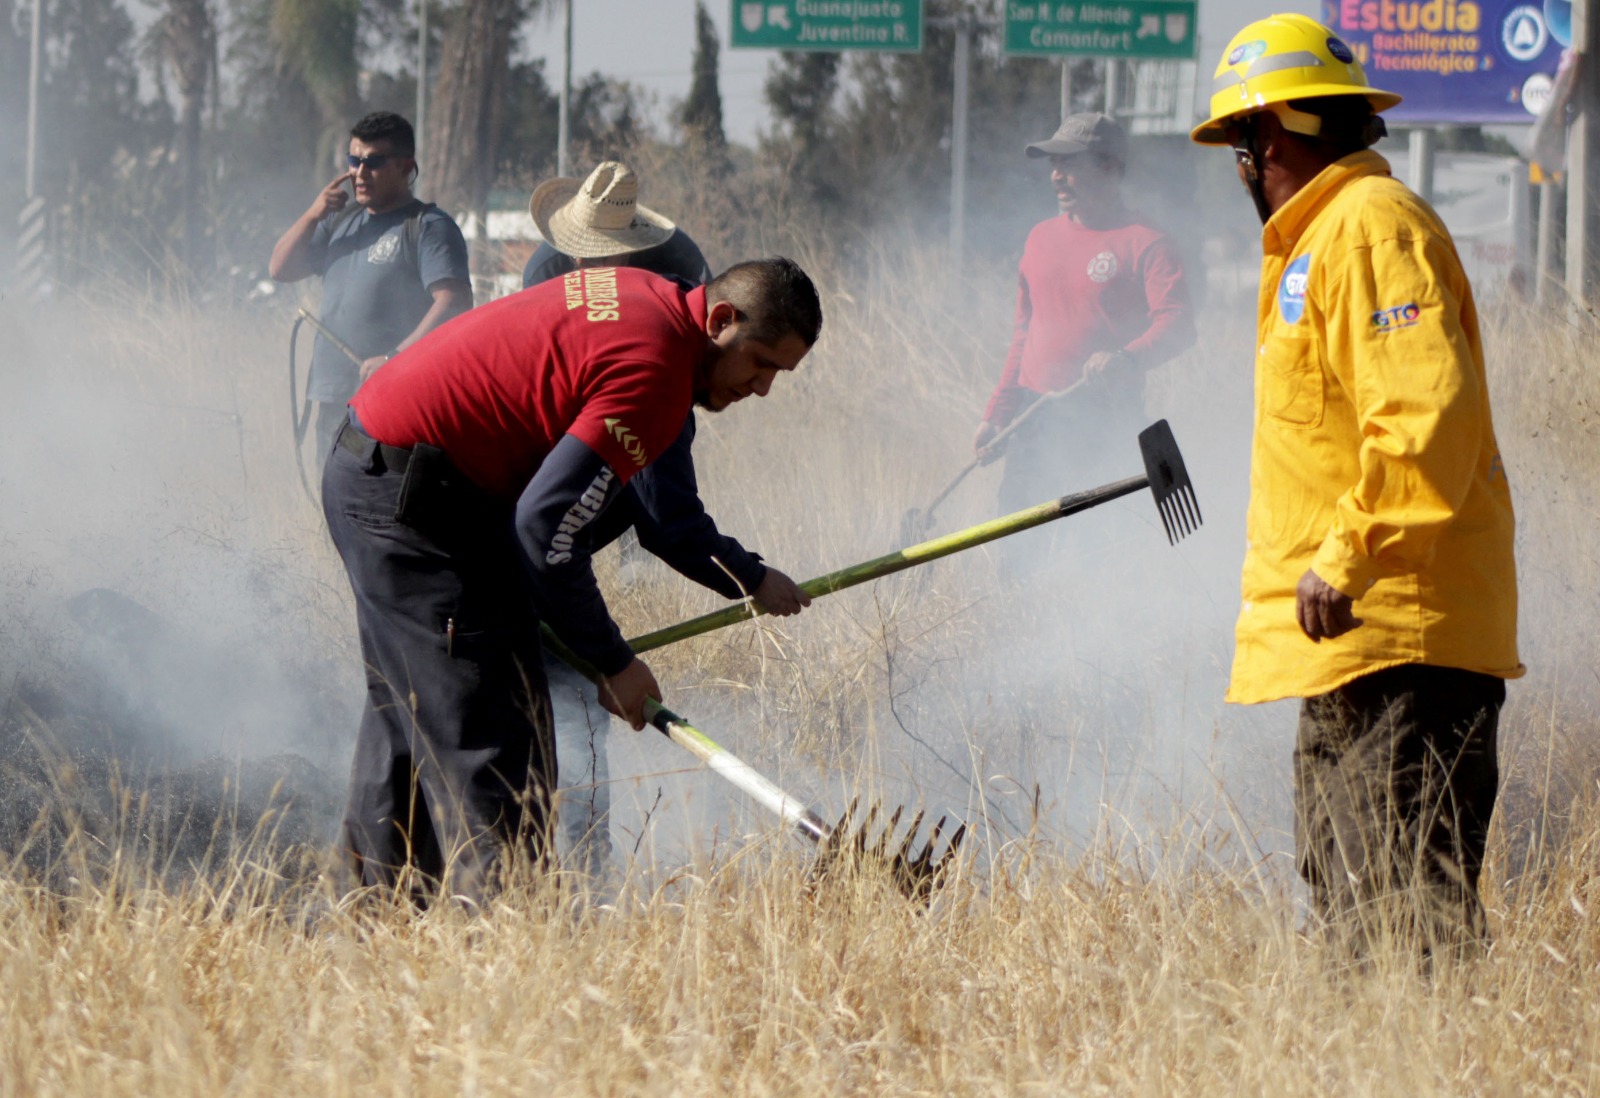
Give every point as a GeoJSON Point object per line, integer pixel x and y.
{"type": "Point", "coordinates": [1081, 291]}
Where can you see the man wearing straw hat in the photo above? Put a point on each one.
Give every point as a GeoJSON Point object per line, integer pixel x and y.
{"type": "Point", "coordinates": [1379, 582]}
{"type": "Point", "coordinates": [1100, 300]}
{"type": "Point", "coordinates": [600, 222]}
{"type": "Point", "coordinates": [587, 223]}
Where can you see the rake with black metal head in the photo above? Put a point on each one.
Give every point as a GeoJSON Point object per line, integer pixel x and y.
{"type": "Point", "coordinates": [1165, 476]}
{"type": "Point", "coordinates": [916, 874]}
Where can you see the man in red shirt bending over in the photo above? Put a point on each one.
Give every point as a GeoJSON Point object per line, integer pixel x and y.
{"type": "Point", "coordinates": [458, 494]}
{"type": "Point", "coordinates": [1100, 296]}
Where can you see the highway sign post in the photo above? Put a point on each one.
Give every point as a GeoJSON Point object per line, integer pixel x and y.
{"type": "Point", "coordinates": [1137, 29]}
{"type": "Point", "coordinates": [30, 270]}
{"type": "Point", "coordinates": [829, 25]}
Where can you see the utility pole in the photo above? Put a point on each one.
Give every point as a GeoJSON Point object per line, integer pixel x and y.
{"type": "Point", "coordinates": [958, 144]}
{"type": "Point", "coordinates": [564, 120]}
{"type": "Point", "coordinates": [1547, 276]}
{"type": "Point", "coordinates": [35, 37]}
{"type": "Point", "coordinates": [1583, 148]}
{"type": "Point", "coordinates": [31, 219]}
{"type": "Point", "coordinates": [422, 71]}
{"type": "Point", "coordinates": [1066, 87]}
{"type": "Point", "coordinates": [1420, 147]}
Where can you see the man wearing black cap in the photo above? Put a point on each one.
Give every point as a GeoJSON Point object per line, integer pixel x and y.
{"type": "Point", "coordinates": [1101, 298]}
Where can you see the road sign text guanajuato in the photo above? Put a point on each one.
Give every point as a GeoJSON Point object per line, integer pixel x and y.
{"type": "Point", "coordinates": [894, 25]}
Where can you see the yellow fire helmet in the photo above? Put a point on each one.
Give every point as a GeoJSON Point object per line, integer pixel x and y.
{"type": "Point", "coordinates": [1276, 59]}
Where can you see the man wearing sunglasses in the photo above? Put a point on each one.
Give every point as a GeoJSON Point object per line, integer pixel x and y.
{"type": "Point", "coordinates": [1100, 298]}
{"type": "Point", "coordinates": [393, 267]}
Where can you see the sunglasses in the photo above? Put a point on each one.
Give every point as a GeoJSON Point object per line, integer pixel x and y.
{"type": "Point", "coordinates": [375, 162]}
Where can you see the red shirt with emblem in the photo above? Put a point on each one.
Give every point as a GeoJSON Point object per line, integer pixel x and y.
{"type": "Point", "coordinates": [1083, 290]}
{"type": "Point", "coordinates": [605, 354]}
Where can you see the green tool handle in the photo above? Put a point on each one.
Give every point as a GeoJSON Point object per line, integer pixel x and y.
{"type": "Point", "coordinates": [724, 762]}
{"type": "Point", "coordinates": [338, 344]}
{"type": "Point", "coordinates": [909, 557]}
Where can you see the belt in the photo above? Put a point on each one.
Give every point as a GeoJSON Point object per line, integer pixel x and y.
{"type": "Point", "coordinates": [358, 442]}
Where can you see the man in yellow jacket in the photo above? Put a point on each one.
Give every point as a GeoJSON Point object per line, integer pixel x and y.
{"type": "Point", "coordinates": [1379, 584]}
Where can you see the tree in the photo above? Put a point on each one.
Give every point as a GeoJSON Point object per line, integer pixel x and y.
{"type": "Point", "coordinates": [466, 115]}
{"type": "Point", "coordinates": [313, 43]}
{"type": "Point", "coordinates": [606, 118]}
{"type": "Point", "coordinates": [106, 189]}
{"type": "Point", "coordinates": [701, 113]}
{"type": "Point", "coordinates": [295, 65]}
{"type": "Point", "coordinates": [528, 137]}
{"type": "Point", "coordinates": [800, 89]}
{"type": "Point", "coordinates": [183, 41]}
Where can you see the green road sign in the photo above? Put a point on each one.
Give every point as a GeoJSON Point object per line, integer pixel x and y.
{"type": "Point", "coordinates": [1101, 28]}
{"type": "Point", "coordinates": [830, 24]}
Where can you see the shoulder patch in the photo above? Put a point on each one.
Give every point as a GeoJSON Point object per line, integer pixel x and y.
{"type": "Point", "coordinates": [1395, 317]}
{"type": "Point", "coordinates": [630, 441]}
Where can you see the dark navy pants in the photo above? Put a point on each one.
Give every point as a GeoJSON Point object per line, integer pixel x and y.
{"type": "Point", "coordinates": [1081, 441]}
{"type": "Point", "coordinates": [453, 765]}
{"type": "Point", "coordinates": [1395, 779]}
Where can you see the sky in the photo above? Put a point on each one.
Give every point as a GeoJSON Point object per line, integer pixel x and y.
{"type": "Point", "coordinates": [649, 43]}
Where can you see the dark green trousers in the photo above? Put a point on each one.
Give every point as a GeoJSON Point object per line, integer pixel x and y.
{"type": "Point", "coordinates": [1395, 778]}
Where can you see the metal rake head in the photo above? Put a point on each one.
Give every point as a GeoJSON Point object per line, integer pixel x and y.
{"type": "Point", "coordinates": [1169, 481]}
{"type": "Point", "coordinates": [916, 875]}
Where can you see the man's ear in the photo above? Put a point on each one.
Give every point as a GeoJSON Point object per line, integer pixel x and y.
{"type": "Point", "coordinates": [720, 317]}
{"type": "Point", "coordinates": [1269, 136]}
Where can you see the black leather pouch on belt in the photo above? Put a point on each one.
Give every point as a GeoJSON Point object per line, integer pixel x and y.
{"type": "Point", "coordinates": [425, 490]}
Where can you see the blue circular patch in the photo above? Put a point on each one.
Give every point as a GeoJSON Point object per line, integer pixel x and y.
{"type": "Point", "coordinates": [1558, 17]}
{"type": "Point", "coordinates": [1340, 51]}
{"type": "Point", "coordinates": [1246, 51]}
{"type": "Point", "coordinates": [1292, 289]}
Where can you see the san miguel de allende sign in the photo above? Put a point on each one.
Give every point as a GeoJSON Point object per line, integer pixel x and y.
{"type": "Point", "coordinates": [1458, 61]}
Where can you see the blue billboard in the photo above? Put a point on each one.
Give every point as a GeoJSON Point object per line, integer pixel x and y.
{"type": "Point", "coordinates": [1458, 61]}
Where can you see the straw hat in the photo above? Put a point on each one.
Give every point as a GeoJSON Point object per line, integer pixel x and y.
{"type": "Point", "coordinates": [599, 216]}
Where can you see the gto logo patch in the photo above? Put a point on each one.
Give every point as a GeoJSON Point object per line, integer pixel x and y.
{"type": "Point", "coordinates": [1292, 289]}
{"type": "Point", "coordinates": [1385, 321]}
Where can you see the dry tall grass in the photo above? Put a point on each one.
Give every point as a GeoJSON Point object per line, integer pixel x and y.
{"type": "Point", "coordinates": [1126, 921]}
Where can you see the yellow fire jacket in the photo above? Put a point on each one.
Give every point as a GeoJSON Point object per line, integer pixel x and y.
{"type": "Point", "coordinates": [1374, 461]}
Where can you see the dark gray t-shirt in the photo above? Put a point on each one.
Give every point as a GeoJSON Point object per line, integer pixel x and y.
{"type": "Point", "coordinates": [375, 286]}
